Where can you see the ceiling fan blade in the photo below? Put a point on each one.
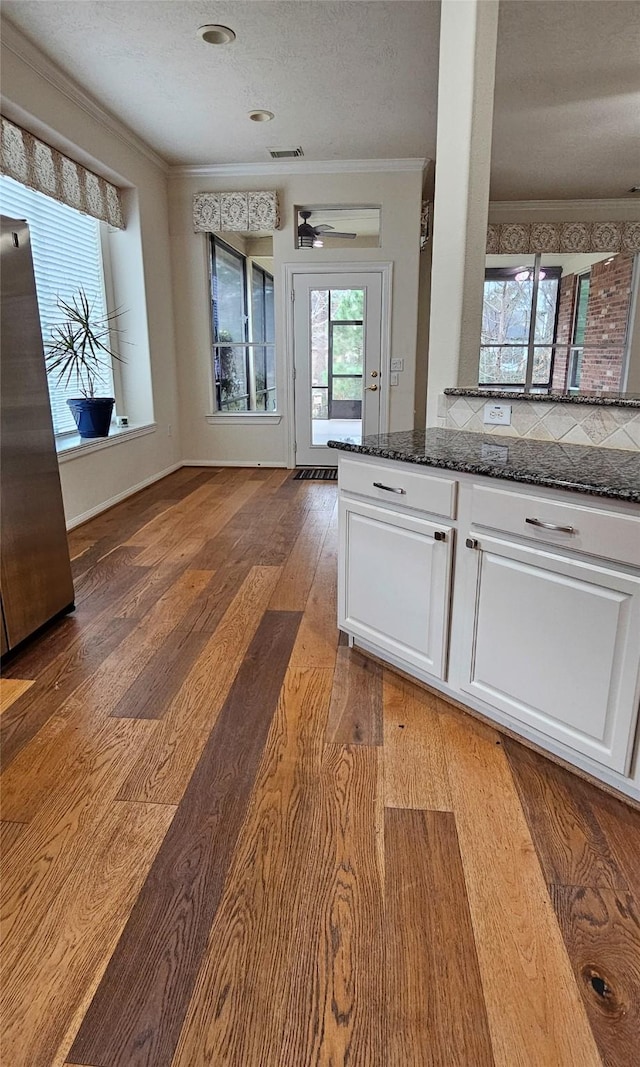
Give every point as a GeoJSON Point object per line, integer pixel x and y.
{"type": "Point", "coordinates": [334, 233]}
{"type": "Point", "coordinates": [324, 228]}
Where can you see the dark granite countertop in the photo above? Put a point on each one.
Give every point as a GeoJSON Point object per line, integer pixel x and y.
{"type": "Point", "coordinates": [606, 472]}
{"type": "Point", "coordinates": [622, 400]}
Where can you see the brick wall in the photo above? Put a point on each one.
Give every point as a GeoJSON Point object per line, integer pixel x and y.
{"type": "Point", "coordinates": [607, 317]}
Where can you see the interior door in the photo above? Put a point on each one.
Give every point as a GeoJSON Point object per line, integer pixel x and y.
{"type": "Point", "coordinates": [337, 360]}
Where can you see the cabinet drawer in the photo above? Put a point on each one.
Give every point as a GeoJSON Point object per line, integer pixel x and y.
{"type": "Point", "coordinates": [591, 530]}
{"type": "Point", "coordinates": [398, 486]}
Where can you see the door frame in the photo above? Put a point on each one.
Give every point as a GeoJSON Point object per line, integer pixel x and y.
{"type": "Point", "coordinates": [385, 270]}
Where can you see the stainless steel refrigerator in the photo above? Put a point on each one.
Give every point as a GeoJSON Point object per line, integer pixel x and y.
{"type": "Point", "coordinates": [35, 567]}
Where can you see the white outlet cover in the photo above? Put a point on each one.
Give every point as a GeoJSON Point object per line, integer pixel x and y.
{"type": "Point", "coordinates": [497, 415]}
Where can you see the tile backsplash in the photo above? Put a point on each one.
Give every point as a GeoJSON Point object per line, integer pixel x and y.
{"type": "Point", "coordinates": [577, 424]}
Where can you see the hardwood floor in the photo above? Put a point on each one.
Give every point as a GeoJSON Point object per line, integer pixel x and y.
{"type": "Point", "coordinates": [229, 840]}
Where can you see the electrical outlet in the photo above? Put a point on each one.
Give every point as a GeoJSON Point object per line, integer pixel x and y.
{"type": "Point", "coordinates": [394, 379]}
{"type": "Point", "coordinates": [397, 364]}
{"type": "Point", "coordinates": [497, 415]}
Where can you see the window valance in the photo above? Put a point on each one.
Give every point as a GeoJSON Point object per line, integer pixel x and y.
{"type": "Point", "coordinates": [238, 212]}
{"type": "Point", "coordinates": [515, 238]}
{"type": "Point", "coordinates": [37, 165]}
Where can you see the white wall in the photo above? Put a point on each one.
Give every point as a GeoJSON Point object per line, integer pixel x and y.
{"type": "Point", "coordinates": [399, 195]}
{"type": "Point", "coordinates": [41, 99]}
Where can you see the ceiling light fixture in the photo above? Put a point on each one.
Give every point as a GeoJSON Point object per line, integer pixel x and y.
{"type": "Point", "coordinates": [261, 116]}
{"type": "Point", "coordinates": [527, 275]}
{"type": "Point", "coordinates": [216, 34]}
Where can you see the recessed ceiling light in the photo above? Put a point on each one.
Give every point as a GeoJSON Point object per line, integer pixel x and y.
{"type": "Point", "coordinates": [216, 34]}
{"type": "Point", "coordinates": [261, 116]}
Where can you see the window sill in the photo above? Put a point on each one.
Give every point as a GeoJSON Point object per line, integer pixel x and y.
{"type": "Point", "coordinates": [71, 446]}
{"type": "Point", "coordinates": [256, 418]}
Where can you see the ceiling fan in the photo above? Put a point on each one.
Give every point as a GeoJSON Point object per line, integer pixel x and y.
{"type": "Point", "coordinates": [309, 235]}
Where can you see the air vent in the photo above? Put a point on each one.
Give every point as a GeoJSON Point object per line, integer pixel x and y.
{"type": "Point", "coordinates": [285, 153]}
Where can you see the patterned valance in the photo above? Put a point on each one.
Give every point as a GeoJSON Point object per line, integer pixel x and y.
{"type": "Point", "coordinates": [515, 238]}
{"type": "Point", "coordinates": [238, 212]}
{"type": "Point", "coordinates": [36, 164]}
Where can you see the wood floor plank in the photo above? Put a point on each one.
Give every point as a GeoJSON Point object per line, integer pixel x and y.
{"type": "Point", "coordinates": [9, 834]}
{"type": "Point", "coordinates": [165, 765]}
{"type": "Point", "coordinates": [571, 845]}
{"type": "Point", "coordinates": [55, 840]}
{"type": "Point", "coordinates": [38, 653]}
{"type": "Point", "coordinates": [45, 992]}
{"type": "Point", "coordinates": [11, 689]}
{"type": "Point", "coordinates": [210, 607]}
{"type": "Point", "coordinates": [102, 690]}
{"type": "Point", "coordinates": [293, 588]}
{"type": "Point", "coordinates": [335, 999]}
{"type": "Point", "coordinates": [621, 826]}
{"type": "Point", "coordinates": [103, 573]}
{"type": "Point", "coordinates": [139, 1008]}
{"type": "Point", "coordinates": [317, 642]}
{"type": "Point", "coordinates": [33, 709]}
{"type": "Point", "coordinates": [158, 683]}
{"type": "Point", "coordinates": [601, 928]}
{"type": "Point", "coordinates": [254, 937]}
{"type": "Point", "coordinates": [355, 716]}
{"type": "Point", "coordinates": [529, 987]}
{"type": "Point", "coordinates": [415, 765]}
{"type": "Point", "coordinates": [44, 763]}
{"type": "Point", "coordinates": [435, 1009]}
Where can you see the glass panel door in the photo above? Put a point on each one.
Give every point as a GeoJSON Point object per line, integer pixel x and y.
{"type": "Point", "coordinates": [337, 358]}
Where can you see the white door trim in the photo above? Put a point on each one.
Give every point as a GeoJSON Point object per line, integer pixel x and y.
{"type": "Point", "coordinates": [385, 270]}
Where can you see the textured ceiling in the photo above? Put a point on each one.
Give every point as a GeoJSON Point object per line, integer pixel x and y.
{"type": "Point", "coordinates": [358, 80]}
{"type": "Point", "coordinates": [567, 110]}
{"type": "Point", "coordinates": [346, 80]}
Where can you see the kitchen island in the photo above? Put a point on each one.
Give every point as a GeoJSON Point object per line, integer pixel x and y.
{"type": "Point", "coordinates": [505, 573]}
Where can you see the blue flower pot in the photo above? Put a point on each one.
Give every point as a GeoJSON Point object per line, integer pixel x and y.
{"type": "Point", "coordinates": [92, 415]}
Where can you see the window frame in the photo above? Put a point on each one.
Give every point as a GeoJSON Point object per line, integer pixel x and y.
{"type": "Point", "coordinates": [508, 274]}
{"type": "Point", "coordinates": [248, 267]}
{"type": "Point", "coordinates": [105, 280]}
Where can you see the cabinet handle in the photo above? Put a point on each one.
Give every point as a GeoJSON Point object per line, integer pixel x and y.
{"type": "Point", "coordinates": [550, 526]}
{"type": "Point", "coordinates": [471, 542]}
{"type": "Point", "coordinates": [388, 488]}
{"type": "Point", "coordinates": [440, 535]}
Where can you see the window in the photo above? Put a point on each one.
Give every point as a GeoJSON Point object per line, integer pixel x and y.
{"type": "Point", "coordinates": [583, 283]}
{"type": "Point", "coordinates": [509, 344]}
{"type": "Point", "coordinates": [67, 253]}
{"type": "Point", "coordinates": [243, 332]}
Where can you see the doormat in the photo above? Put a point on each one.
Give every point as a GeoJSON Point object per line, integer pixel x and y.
{"type": "Point", "coordinates": [317, 474]}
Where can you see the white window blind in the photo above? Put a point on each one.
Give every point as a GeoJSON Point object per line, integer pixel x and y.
{"type": "Point", "coordinates": [67, 254]}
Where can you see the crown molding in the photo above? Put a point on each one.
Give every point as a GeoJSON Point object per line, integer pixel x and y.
{"type": "Point", "coordinates": [620, 208]}
{"type": "Point", "coordinates": [298, 166]}
{"type": "Point", "coordinates": [30, 54]}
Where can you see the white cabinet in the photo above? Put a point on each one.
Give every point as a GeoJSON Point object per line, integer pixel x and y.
{"type": "Point", "coordinates": [553, 642]}
{"type": "Point", "coordinates": [537, 627]}
{"type": "Point", "coordinates": [394, 583]}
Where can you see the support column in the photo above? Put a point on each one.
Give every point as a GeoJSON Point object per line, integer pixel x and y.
{"type": "Point", "coordinates": [468, 35]}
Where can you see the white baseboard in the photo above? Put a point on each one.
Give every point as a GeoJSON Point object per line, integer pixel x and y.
{"type": "Point", "coordinates": [229, 463]}
{"type": "Point", "coordinates": [106, 504]}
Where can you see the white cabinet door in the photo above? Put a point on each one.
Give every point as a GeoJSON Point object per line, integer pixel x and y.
{"type": "Point", "coordinates": [394, 583]}
{"type": "Point", "coordinates": [555, 643]}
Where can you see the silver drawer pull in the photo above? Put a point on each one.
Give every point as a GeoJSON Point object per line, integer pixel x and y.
{"type": "Point", "coordinates": [388, 488]}
{"type": "Point", "coordinates": [550, 526]}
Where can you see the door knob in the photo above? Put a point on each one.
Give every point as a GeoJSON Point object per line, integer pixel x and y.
{"type": "Point", "coordinates": [374, 374]}
{"type": "Point", "coordinates": [372, 388]}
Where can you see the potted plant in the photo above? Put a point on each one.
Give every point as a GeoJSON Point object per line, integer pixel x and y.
{"type": "Point", "coordinates": [79, 351]}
